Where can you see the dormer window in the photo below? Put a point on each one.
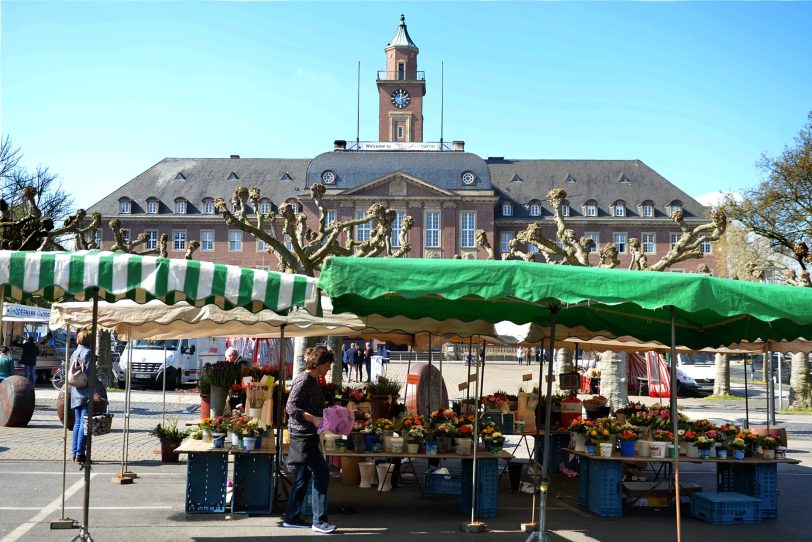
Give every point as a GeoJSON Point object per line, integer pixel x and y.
{"type": "Point", "coordinates": [180, 206]}
{"type": "Point", "coordinates": [535, 208]}
{"type": "Point", "coordinates": [647, 209]}
{"type": "Point", "coordinates": [328, 177]}
{"type": "Point", "coordinates": [619, 208]}
{"type": "Point", "coordinates": [125, 206]}
{"type": "Point", "coordinates": [297, 206]}
{"type": "Point", "coordinates": [180, 176]}
{"type": "Point", "coordinates": [591, 208]}
{"type": "Point", "coordinates": [507, 209]}
{"type": "Point", "coordinates": [676, 206]}
{"type": "Point", "coordinates": [468, 177]}
{"type": "Point", "coordinates": [565, 209]}
{"type": "Point", "coordinates": [208, 206]}
{"type": "Point", "coordinates": [264, 206]}
{"type": "Point", "coordinates": [232, 177]}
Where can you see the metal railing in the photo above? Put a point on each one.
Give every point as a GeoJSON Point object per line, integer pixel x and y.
{"type": "Point", "coordinates": [386, 75]}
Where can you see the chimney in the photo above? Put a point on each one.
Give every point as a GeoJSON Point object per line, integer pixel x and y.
{"type": "Point", "coordinates": [235, 156]}
{"type": "Point", "coordinates": [339, 145]}
{"type": "Point", "coordinates": [458, 146]}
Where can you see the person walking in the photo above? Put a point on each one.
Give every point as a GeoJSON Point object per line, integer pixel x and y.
{"type": "Point", "coordinates": [29, 359]}
{"type": "Point", "coordinates": [344, 362]}
{"type": "Point", "coordinates": [80, 397]}
{"type": "Point", "coordinates": [519, 354]}
{"type": "Point", "coordinates": [6, 363]}
{"type": "Point", "coordinates": [528, 354]}
{"type": "Point", "coordinates": [538, 353]}
{"type": "Point", "coordinates": [359, 362]}
{"type": "Point", "coordinates": [352, 361]}
{"type": "Point", "coordinates": [305, 409]}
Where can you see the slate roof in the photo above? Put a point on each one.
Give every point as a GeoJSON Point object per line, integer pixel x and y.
{"type": "Point", "coordinates": [207, 178]}
{"type": "Point", "coordinates": [442, 169]}
{"type": "Point", "coordinates": [604, 181]}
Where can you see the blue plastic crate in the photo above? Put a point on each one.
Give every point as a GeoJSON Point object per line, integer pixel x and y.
{"type": "Point", "coordinates": [442, 484]}
{"type": "Point", "coordinates": [558, 441]}
{"type": "Point", "coordinates": [726, 508]}
{"type": "Point", "coordinates": [759, 481]}
{"type": "Point", "coordinates": [503, 420]}
{"type": "Point", "coordinates": [487, 487]}
{"type": "Point", "coordinates": [253, 483]}
{"type": "Point", "coordinates": [605, 496]}
{"type": "Point", "coordinates": [206, 476]}
{"type": "Point", "coordinates": [583, 482]}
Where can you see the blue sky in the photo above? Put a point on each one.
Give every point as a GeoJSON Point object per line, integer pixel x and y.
{"type": "Point", "coordinates": [101, 91]}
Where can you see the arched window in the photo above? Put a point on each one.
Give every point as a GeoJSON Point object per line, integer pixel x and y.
{"type": "Point", "coordinates": [208, 206]}
{"type": "Point", "coordinates": [152, 206]}
{"type": "Point", "coordinates": [535, 208]}
{"type": "Point", "coordinates": [619, 208]}
{"type": "Point", "coordinates": [591, 208]}
{"type": "Point", "coordinates": [647, 209]}
{"type": "Point", "coordinates": [264, 206]}
{"type": "Point", "coordinates": [180, 206]}
{"type": "Point", "coordinates": [125, 206]}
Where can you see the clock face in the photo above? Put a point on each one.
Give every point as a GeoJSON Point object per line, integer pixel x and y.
{"type": "Point", "coordinates": [401, 98]}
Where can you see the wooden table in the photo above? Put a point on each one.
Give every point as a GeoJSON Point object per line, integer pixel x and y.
{"type": "Point", "coordinates": [600, 486]}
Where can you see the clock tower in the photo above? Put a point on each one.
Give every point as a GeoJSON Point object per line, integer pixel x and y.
{"type": "Point", "coordinates": [400, 90]}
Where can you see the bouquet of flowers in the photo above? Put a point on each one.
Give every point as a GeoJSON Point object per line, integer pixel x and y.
{"type": "Point", "coordinates": [221, 374]}
{"type": "Point", "coordinates": [217, 425]}
{"type": "Point", "coordinates": [686, 435]}
{"type": "Point", "coordinates": [407, 421]}
{"type": "Point", "coordinates": [495, 438]}
{"type": "Point", "coordinates": [384, 424]}
{"type": "Point", "coordinates": [487, 429]}
{"type": "Point", "coordinates": [628, 433]}
{"type": "Point", "coordinates": [632, 409]}
{"type": "Point", "coordinates": [728, 431]}
{"type": "Point", "coordinates": [446, 429]}
{"type": "Point", "coordinates": [361, 420]}
{"type": "Point", "coordinates": [770, 442]}
{"type": "Point", "coordinates": [371, 429]}
{"type": "Point", "coordinates": [738, 444]}
{"type": "Point", "coordinates": [750, 439]}
{"type": "Point", "coordinates": [416, 433]}
{"type": "Point", "coordinates": [465, 430]}
{"type": "Point", "coordinates": [581, 425]}
{"type": "Point", "coordinates": [441, 415]}
{"type": "Point", "coordinates": [255, 428]}
{"type": "Point", "coordinates": [356, 395]}
{"type": "Point", "coordinates": [384, 386]}
{"type": "Point", "coordinates": [661, 435]}
{"type": "Point", "coordinates": [703, 442]}
{"type": "Point", "coordinates": [494, 402]}
{"type": "Point", "coordinates": [239, 425]}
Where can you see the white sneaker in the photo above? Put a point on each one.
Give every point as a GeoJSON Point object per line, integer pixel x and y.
{"type": "Point", "coordinates": [323, 527]}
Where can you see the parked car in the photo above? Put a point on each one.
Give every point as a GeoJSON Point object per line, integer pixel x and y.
{"type": "Point", "coordinates": [696, 373]}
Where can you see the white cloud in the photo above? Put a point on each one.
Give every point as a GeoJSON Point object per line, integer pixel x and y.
{"type": "Point", "coordinates": [713, 199]}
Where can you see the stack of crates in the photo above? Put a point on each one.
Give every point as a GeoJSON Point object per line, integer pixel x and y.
{"type": "Point", "coordinates": [726, 508]}
{"type": "Point", "coordinates": [760, 481]}
{"type": "Point", "coordinates": [487, 487]}
{"type": "Point", "coordinates": [605, 496]}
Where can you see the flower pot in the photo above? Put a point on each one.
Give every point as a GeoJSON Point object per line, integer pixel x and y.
{"type": "Point", "coordinates": [496, 448]}
{"type": "Point", "coordinates": [329, 440]}
{"type": "Point", "coordinates": [217, 401]}
{"type": "Point", "coordinates": [205, 406]}
{"type": "Point", "coordinates": [366, 470]}
{"type": "Point", "coordinates": [413, 447]}
{"type": "Point", "coordinates": [255, 413]}
{"type": "Point", "coordinates": [643, 448]}
{"type": "Point", "coordinates": [691, 450]}
{"type": "Point", "coordinates": [386, 437]}
{"type": "Point", "coordinates": [218, 440]}
{"type": "Point", "coordinates": [249, 443]}
{"type": "Point", "coordinates": [703, 453]}
{"type": "Point", "coordinates": [721, 452]}
{"type": "Point", "coordinates": [670, 451]}
{"type": "Point", "coordinates": [658, 450]}
{"type": "Point", "coordinates": [590, 449]}
{"type": "Point", "coordinates": [235, 439]}
{"type": "Point", "coordinates": [371, 441]}
{"type": "Point", "coordinates": [168, 453]}
{"type": "Point", "coordinates": [431, 448]}
{"type": "Point", "coordinates": [627, 448]}
{"type": "Point", "coordinates": [397, 444]}
{"type": "Point", "coordinates": [606, 449]}
{"type": "Point", "coordinates": [358, 441]}
{"type": "Point", "coordinates": [444, 444]}
{"type": "Point", "coordinates": [580, 441]}
{"type": "Point", "coordinates": [738, 454]}
{"type": "Point", "coordinates": [768, 454]}
{"type": "Point", "coordinates": [464, 446]}
{"type": "Point", "coordinates": [206, 435]}
{"type": "Point", "coordinates": [258, 445]}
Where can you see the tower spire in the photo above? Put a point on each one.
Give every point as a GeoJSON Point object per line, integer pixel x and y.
{"type": "Point", "coordinates": [402, 38]}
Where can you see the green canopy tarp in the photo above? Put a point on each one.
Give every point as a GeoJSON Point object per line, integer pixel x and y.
{"type": "Point", "coordinates": [52, 275]}
{"type": "Point", "coordinates": [709, 311]}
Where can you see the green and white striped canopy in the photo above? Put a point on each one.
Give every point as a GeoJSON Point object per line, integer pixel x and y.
{"type": "Point", "coordinates": [53, 275]}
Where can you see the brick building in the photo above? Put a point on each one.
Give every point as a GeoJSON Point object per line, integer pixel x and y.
{"type": "Point", "coordinates": [449, 192]}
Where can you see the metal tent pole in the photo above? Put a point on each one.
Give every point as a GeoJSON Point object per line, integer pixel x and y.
{"type": "Point", "coordinates": [63, 522]}
{"type": "Point", "coordinates": [675, 417]}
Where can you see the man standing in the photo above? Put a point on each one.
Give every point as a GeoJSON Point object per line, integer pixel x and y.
{"type": "Point", "coordinates": [352, 362]}
{"type": "Point", "coordinates": [344, 361]}
{"type": "Point", "coordinates": [361, 361]}
{"type": "Point", "coordinates": [519, 354]}
{"type": "Point", "coordinates": [29, 359]}
{"type": "Point", "coordinates": [368, 360]}
{"type": "Point", "coordinates": [233, 356]}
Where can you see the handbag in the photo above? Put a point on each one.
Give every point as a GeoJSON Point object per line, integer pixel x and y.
{"type": "Point", "coordinates": [101, 424]}
{"type": "Point", "coordinates": [76, 374]}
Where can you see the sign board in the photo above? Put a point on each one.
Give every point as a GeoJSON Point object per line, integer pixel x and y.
{"type": "Point", "coordinates": [527, 378]}
{"type": "Point", "coordinates": [13, 312]}
{"type": "Point", "coordinates": [472, 377]}
{"type": "Point", "coordinates": [569, 381]}
{"type": "Point", "coordinates": [397, 146]}
{"type": "Point", "coordinates": [463, 386]}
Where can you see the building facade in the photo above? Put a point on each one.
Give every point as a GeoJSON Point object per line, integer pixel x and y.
{"type": "Point", "coordinates": [449, 192]}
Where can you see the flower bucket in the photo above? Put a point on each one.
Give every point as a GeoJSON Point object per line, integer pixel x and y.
{"type": "Point", "coordinates": [464, 446]}
{"type": "Point", "coordinates": [658, 450]}
{"type": "Point", "coordinates": [738, 454]}
{"type": "Point", "coordinates": [768, 454]}
{"type": "Point", "coordinates": [703, 453]}
{"type": "Point", "coordinates": [643, 448]}
{"type": "Point", "coordinates": [580, 441]}
{"type": "Point", "coordinates": [431, 448]}
{"type": "Point", "coordinates": [590, 449]}
{"type": "Point", "coordinates": [413, 447]}
{"type": "Point", "coordinates": [721, 452]}
{"type": "Point", "coordinates": [206, 435]}
{"type": "Point", "coordinates": [217, 401]}
{"type": "Point", "coordinates": [445, 444]}
{"type": "Point", "coordinates": [235, 440]}
{"type": "Point", "coordinates": [258, 445]}
{"type": "Point", "coordinates": [371, 441]}
{"type": "Point", "coordinates": [670, 451]}
{"type": "Point", "coordinates": [358, 442]}
{"type": "Point", "coordinates": [606, 449]}
{"type": "Point", "coordinates": [627, 448]}
{"type": "Point", "coordinates": [691, 450]}
{"type": "Point", "coordinates": [330, 441]}
{"type": "Point", "coordinates": [248, 443]}
{"type": "Point", "coordinates": [218, 440]}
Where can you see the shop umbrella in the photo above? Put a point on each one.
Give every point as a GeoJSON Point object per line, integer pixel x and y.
{"type": "Point", "coordinates": [695, 311]}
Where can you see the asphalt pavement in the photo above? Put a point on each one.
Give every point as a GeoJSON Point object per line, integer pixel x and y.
{"type": "Point", "coordinates": [153, 507]}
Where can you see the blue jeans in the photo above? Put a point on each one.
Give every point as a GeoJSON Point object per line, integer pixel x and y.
{"type": "Point", "coordinates": [30, 372]}
{"type": "Point", "coordinates": [316, 470]}
{"type": "Point", "coordinates": [79, 438]}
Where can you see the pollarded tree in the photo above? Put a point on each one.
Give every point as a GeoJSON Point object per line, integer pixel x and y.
{"type": "Point", "coordinates": [567, 249]}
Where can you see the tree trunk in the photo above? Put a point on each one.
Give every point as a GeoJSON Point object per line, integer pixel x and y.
{"type": "Point", "coordinates": [336, 374]}
{"type": "Point", "coordinates": [563, 364]}
{"type": "Point", "coordinates": [104, 366]}
{"type": "Point", "coordinates": [800, 395]}
{"type": "Point", "coordinates": [614, 380]}
{"type": "Point", "coordinates": [721, 380]}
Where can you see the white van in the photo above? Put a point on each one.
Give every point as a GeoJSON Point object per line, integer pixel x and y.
{"type": "Point", "coordinates": [150, 357]}
{"type": "Point", "coordinates": [696, 373]}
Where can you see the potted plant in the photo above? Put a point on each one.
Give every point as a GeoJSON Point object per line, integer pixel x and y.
{"type": "Point", "coordinates": [220, 376]}
{"type": "Point", "coordinates": [170, 436]}
{"type": "Point", "coordinates": [384, 392]}
{"type": "Point", "coordinates": [628, 439]}
{"type": "Point", "coordinates": [704, 444]}
{"type": "Point", "coordinates": [738, 446]}
{"type": "Point", "coordinates": [768, 445]}
{"type": "Point", "coordinates": [414, 436]}
{"type": "Point", "coordinates": [204, 386]}
{"type": "Point", "coordinates": [495, 441]}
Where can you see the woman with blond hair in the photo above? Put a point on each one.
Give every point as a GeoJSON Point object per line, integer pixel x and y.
{"type": "Point", "coordinates": [80, 397]}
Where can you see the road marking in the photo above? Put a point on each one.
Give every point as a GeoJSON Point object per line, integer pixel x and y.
{"type": "Point", "coordinates": [52, 507]}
